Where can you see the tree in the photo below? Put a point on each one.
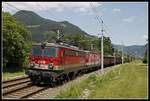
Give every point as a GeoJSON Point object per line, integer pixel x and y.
{"type": "Point", "coordinates": [108, 48]}
{"type": "Point", "coordinates": [86, 42]}
{"type": "Point", "coordinates": [145, 57]}
{"type": "Point", "coordinates": [16, 41]}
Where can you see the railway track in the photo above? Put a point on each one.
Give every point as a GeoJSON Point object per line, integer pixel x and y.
{"type": "Point", "coordinates": [24, 92]}
{"type": "Point", "coordinates": [20, 88]}
{"type": "Point", "coordinates": [13, 82]}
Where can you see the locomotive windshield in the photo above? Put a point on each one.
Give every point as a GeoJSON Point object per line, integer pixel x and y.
{"type": "Point", "coordinates": [36, 50]}
{"type": "Point", "coordinates": [50, 52]}
{"type": "Point", "coordinates": [47, 51]}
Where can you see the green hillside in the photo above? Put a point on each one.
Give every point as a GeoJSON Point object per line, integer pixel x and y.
{"type": "Point", "coordinates": [38, 25]}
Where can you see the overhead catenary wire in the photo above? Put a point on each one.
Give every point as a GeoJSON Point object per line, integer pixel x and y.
{"type": "Point", "coordinates": [28, 26]}
{"type": "Point", "coordinates": [100, 19]}
{"type": "Point", "coordinates": [12, 6]}
{"type": "Point", "coordinates": [106, 28]}
{"type": "Point", "coordinates": [15, 7]}
{"type": "Point", "coordinates": [58, 31]}
{"type": "Point", "coordinates": [59, 35]}
{"type": "Point", "coordinates": [7, 8]}
{"type": "Point", "coordinates": [49, 13]}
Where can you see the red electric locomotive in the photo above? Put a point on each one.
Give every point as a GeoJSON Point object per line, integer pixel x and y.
{"type": "Point", "coordinates": [54, 62]}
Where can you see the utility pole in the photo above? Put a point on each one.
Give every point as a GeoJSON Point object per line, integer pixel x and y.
{"type": "Point", "coordinates": [58, 34]}
{"type": "Point", "coordinates": [102, 50]}
{"type": "Point", "coordinates": [114, 57]}
{"type": "Point", "coordinates": [147, 49]}
{"type": "Point", "coordinates": [122, 53]}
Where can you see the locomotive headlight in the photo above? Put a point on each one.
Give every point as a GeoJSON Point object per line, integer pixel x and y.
{"type": "Point", "coordinates": [32, 65]}
{"type": "Point", "coordinates": [50, 66]}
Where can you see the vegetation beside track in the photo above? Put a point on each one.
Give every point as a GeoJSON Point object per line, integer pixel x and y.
{"type": "Point", "coordinates": [123, 81]}
{"type": "Point", "coordinates": [10, 73]}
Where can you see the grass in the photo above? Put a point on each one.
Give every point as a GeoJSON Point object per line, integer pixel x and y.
{"type": "Point", "coordinates": [124, 81]}
{"type": "Point", "coordinates": [10, 73]}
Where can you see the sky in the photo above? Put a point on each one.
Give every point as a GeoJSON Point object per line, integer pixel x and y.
{"type": "Point", "coordinates": [124, 22]}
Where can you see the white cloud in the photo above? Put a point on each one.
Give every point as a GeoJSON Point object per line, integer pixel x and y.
{"type": "Point", "coordinates": [145, 36]}
{"type": "Point", "coordinates": [129, 19]}
{"type": "Point", "coordinates": [82, 7]}
{"type": "Point", "coordinates": [115, 10]}
{"type": "Point", "coordinates": [59, 9]}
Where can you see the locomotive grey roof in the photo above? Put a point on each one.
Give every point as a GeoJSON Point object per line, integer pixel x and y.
{"type": "Point", "coordinates": [65, 46]}
{"type": "Point", "coordinates": [59, 45]}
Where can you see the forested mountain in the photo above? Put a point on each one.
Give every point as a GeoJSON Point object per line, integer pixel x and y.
{"type": "Point", "coordinates": [137, 50]}
{"type": "Point", "coordinates": [38, 25]}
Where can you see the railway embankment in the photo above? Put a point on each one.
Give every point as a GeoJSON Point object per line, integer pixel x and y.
{"type": "Point", "coordinates": [129, 80]}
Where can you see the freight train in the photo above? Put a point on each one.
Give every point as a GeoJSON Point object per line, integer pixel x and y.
{"type": "Point", "coordinates": [53, 62]}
